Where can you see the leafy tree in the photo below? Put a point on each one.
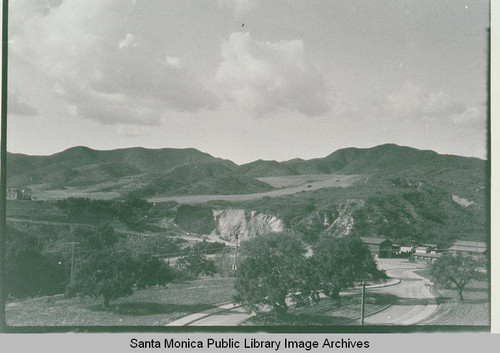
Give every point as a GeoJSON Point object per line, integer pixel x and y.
{"type": "Point", "coordinates": [105, 269]}
{"type": "Point", "coordinates": [30, 272]}
{"type": "Point", "coordinates": [455, 272]}
{"type": "Point", "coordinates": [197, 264]}
{"type": "Point", "coordinates": [92, 240]}
{"type": "Point", "coordinates": [107, 273]}
{"type": "Point", "coordinates": [339, 263]}
{"type": "Point", "coordinates": [268, 271]}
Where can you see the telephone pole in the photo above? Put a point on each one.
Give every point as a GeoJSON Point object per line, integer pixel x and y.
{"type": "Point", "coordinates": [236, 256]}
{"type": "Point", "coordinates": [72, 258]}
{"type": "Point", "coordinates": [363, 303]}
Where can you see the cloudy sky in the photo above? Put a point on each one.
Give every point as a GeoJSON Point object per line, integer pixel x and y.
{"type": "Point", "coordinates": [248, 79]}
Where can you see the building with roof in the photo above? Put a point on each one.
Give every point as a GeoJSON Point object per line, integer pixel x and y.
{"type": "Point", "coordinates": [379, 246]}
{"type": "Point", "coordinates": [23, 193]}
{"type": "Point", "coordinates": [465, 247]}
{"type": "Point", "coordinates": [431, 257]}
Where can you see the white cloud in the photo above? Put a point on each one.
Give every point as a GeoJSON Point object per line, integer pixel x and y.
{"type": "Point", "coordinates": [89, 56]}
{"type": "Point", "coordinates": [17, 106]}
{"type": "Point", "coordinates": [413, 101]}
{"type": "Point", "coordinates": [239, 6]}
{"type": "Point", "coordinates": [174, 62]}
{"type": "Point", "coordinates": [127, 41]}
{"type": "Point", "coordinates": [266, 77]}
{"type": "Point", "coordinates": [474, 116]}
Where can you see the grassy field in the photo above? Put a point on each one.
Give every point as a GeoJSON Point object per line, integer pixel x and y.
{"type": "Point", "coordinates": [329, 180]}
{"type": "Point", "coordinates": [148, 307]}
{"type": "Point", "coordinates": [326, 312]}
{"type": "Point", "coordinates": [300, 183]}
{"type": "Point", "coordinates": [473, 310]}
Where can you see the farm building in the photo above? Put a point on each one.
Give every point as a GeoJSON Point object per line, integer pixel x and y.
{"type": "Point", "coordinates": [379, 246]}
{"type": "Point", "coordinates": [469, 247]}
{"type": "Point", "coordinates": [19, 193]}
{"type": "Point", "coordinates": [426, 256]}
{"type": "Point", "coordinates": [426, 249]}
{"type": "Point", "coordinates": [396, 248]}
{"type": "Point", "coordinates": [406, 249]}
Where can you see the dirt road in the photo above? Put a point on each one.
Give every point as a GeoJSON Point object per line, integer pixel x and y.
{"type": "Point", "coordinates": [226, 315]}
{"type": "Point", "coordinates": [415, 301]}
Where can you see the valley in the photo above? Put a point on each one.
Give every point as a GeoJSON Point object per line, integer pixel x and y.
{"type": "Point", "coordinates": [185, 205]}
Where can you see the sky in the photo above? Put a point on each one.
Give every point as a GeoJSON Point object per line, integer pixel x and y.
{"type": "Point", "coordinates": [248, 79]}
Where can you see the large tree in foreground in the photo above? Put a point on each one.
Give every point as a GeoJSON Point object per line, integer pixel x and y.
{"type": "Point", "coordinates": [340, 263]}
{"type": "Point", "coordinates": [455, 272]}
{"type": "Point", "coordinates": [268, 271]}
{"type": "Point", "coordinates": [106, 269]}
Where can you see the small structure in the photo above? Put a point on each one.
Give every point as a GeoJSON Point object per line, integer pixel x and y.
{"type": "Point", "coordinates": [406, 249]}
{"type": "Point", "coordinates": [465, 247]}
{"type": "Point", "coordinates": [426, 249]}
{"type": "Point", "coordinates": [379, 246]}
{"type": "Point", "coordinates": [430, 257]}
{"type": "Point", "coordinates": [421, 250]}
{"type": "Point", "coordinates": [431, 248]}
{"type": "Point", "coordinates": [22, 193]}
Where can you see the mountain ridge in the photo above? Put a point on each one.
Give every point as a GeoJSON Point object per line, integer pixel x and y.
{"type": "Point", "coordinates": [171, 171]}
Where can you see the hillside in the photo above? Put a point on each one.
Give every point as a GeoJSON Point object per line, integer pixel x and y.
{"type": "Point", "coordinates": [171, 171]}
{"type": "Point", "coordinates": [82, 165]}
{"type": "Point", "coordinates": [385, 191]}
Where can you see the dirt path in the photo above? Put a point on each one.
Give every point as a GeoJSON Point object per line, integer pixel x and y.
{"type": "Point", "coordinates": [415, 301]}
{"type": "Point", "coordinates": [233, 315]}
{"type": "Point", "coordinates": [225, 315]}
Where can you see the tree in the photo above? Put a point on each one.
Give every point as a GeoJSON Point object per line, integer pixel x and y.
{"type": "Point", "coordinates": [268, 271]}
{"type": "Point", "coordinates": [30, 271]}
{"type": "Point", "coordinates": [105, 269]}
{"type": "Point", "coordinates": [197, 264]}
{"type": "Point", "coordinates": [455, 272]}
{"type": "Point", "coordinates": [106, 272]}
{"type": "Point", "coordinates": [339, 263]}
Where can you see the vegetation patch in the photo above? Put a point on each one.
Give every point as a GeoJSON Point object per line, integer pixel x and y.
{"type": "Point", "coordinates": [145, 307]}
{"type": "Point", "coordinates": [345, 311]}
{"type": "Point", "coordinates": [474, 309]}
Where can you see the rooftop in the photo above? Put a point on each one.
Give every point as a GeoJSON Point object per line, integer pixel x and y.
{"type": "Point", "coordinates": [374, 240]}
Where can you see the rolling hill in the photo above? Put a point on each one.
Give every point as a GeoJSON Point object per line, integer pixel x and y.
{"type": "Point", "coordinates": [385, 191]}
{"type": "Point", "coordinates": [172, 171]}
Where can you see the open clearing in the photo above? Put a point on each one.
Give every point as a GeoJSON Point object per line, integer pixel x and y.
{"type": "Point", "coordinates": [329, 180]}
{"type": "Point", "coordinates": [298, 183]}
{"type": "Point", "coordinates": [74, 192]}
{"type": "Point", "coordinates": [473, 310]}
{"type": "Point", "coordinates": [147, 307]}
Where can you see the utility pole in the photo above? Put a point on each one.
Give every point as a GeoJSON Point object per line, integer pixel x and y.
{"type": "Point", "coordinates": [236, 256]}
{"type": "Point", "coordinates": [72, 258]}
{"type": "Point", "coordinates": [3, 158]}
{"type": "Point", "coordinates": [363, 303]}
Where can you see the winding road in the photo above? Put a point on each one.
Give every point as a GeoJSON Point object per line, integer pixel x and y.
{"type": "Point", "coordinates": [415, 301]}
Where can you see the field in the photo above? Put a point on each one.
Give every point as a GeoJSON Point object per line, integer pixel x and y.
{"type": "Point", "coordinates": [149, 307]}
{"type": "Point", "coordinates": [290, 184]}
{"type": "Point", "coordinates": [90, 192]}
{"type": "Point", "coordinates": [326, 312]}
{"type": "Point", "coordinates": [473, 310]}
{"type": "Point", "coordinates": [329, 180]}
